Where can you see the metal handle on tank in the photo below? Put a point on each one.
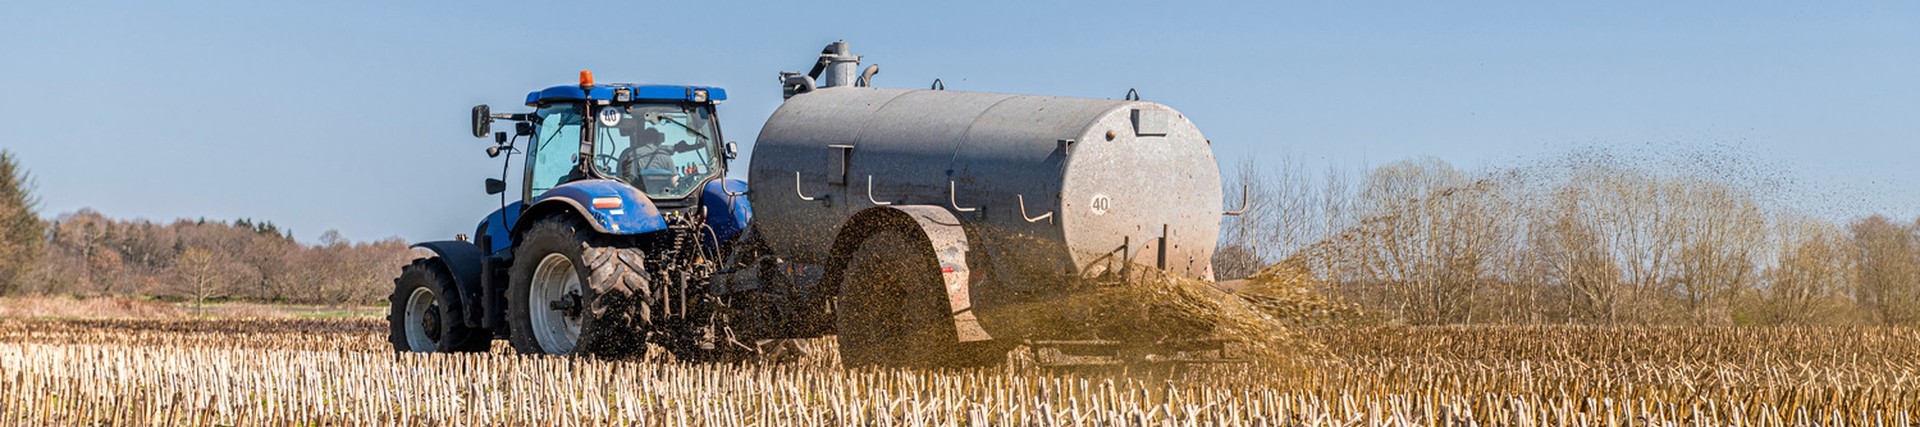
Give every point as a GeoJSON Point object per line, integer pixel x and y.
{"type": "Point", "coordinates": [953, 201]}
{"type": "Point", "coordinates": [870, 193]}
{"type": "Point", "coordinates": [1243, 203]}
{"type": "Point", "coordinates": [1023, 211]}
{"type": "Point", "coordinates": [796, 189]}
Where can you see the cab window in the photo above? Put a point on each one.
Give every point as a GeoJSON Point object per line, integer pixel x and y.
{"type": "Point", "coordinates": [556, 142]}
{"type": "Point", "coordinates": [665, 150]}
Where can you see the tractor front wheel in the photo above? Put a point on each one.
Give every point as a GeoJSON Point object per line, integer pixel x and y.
{"type": "Point", "coordinates": [425, 314]}
{"type": "Point", "coordinates": [573, 292]}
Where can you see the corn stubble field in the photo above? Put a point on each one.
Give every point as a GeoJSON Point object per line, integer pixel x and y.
{"type": "Point", "coordinates": [341, 371]}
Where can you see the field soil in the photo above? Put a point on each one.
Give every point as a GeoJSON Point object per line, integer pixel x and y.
{"type": "Point", "coordinates": [98, 307]}
{"type": "Point", "coordinates": [121, 307]}
{"type": "Point", "coordinates": [224, 371]}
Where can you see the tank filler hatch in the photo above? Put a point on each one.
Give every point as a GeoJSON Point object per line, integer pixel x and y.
{"type": "Point", "coordinates": [836, 68]}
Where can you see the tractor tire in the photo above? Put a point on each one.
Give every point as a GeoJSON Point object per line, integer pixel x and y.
{"type": "Point", "coordinates": [425, 314]}
{"type": "Point", "coordinates": [893, 309]}
{"type": "Point", "coordinates": [594, 296]}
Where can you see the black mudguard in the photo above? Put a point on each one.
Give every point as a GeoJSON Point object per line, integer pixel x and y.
{"type": "Point", "coordinates": [462, 259]}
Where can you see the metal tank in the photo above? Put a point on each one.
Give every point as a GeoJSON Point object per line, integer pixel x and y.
{"type": "Point", "coordinates": [1050, 190]}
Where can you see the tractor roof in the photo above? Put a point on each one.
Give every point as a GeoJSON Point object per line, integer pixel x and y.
{"type": "Point", "coordinates": [640, 92]}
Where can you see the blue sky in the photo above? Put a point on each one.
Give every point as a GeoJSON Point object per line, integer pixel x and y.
{"type": "Point", "coordinates": [352, 115]}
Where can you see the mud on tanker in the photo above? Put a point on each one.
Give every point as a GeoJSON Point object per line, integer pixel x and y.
{"type": "Point", "coordinates": [921, 227]}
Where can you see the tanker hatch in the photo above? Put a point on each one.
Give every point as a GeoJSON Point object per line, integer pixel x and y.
{"type": "Point", "coordinates": [836, 68]}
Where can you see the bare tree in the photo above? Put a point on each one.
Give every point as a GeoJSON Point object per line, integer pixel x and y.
{"type": "Point", "coordinates": [1426, 239]}
{"type": "Point", "coordinates": [1810, 276]}
{"type": "Point", "coordinates": [201, 274]}
{"type": "Point", "coordinates": [1889, 267]}
{"type": "Point", "coordinates": [269, 257]}
{"type": "Point", "coordinates": [1720, 256]}
{"type": "Point", "coordinates": [1235, 261]}
{"type": "Point", "coordinates": [1575, 264]}
{"type": "Point", "coordinates": [1279, 217]}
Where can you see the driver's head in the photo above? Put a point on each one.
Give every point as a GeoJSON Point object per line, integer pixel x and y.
{"type": "Point", "coordinates": [646, 136]}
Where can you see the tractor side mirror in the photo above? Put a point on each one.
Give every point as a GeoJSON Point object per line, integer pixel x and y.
{"type": "Point", "coordinates": [733, 150]}
{"type": "Point", "coordinates": [482, 121]}
{"type": "Point", "coordinates": [496, 186]}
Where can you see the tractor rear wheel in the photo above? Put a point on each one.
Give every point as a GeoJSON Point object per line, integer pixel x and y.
{"type": "Point", "coordinates": [893, 308]}
{"type": "Point", "coordinates": [573, 292]}
{"type": "Point", "coordinates": [425, 314]}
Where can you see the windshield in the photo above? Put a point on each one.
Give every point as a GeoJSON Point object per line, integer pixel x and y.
{"type": "Point", "coordinates": [665, 150]}
{"type": "Point", "coordinates": [556, 143]}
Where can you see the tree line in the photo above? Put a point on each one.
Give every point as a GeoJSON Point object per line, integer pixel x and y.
{"type": "Point", "coordinates": [1423, 242]}
{"type": "Point", "coordinates": [87, 253]}
{"type": "Point", "coordinates": [1417, 242]}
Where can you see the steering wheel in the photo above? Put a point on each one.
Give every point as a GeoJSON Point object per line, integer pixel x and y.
{"type": "Point", "coordinates": [607, 162]}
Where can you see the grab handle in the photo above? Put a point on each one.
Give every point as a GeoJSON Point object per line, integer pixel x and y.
{"type": "Point", "coordinates": [1023, 211]}
{"type": "Point", "coordinates": [870, 193]}
{"type": "Point", "coordinates": [1243, 204]}
{"type": "Point", "coordinates": [953, 201]}
{"type": "Point", "coordinates": [803, 196]}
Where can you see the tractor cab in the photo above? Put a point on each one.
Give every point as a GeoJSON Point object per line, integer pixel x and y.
{"type": "Point", "coordinates": [661, 140]}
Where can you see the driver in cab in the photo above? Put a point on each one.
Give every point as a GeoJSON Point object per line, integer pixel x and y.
{"type": "Point", "coordinates": [647, 162]}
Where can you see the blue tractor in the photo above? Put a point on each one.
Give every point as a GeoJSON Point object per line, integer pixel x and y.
{"type": "Point", "coordinates": [626, 214]}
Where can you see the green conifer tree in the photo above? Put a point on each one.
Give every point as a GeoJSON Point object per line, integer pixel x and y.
{"type": "Point", "coordinates": [22, 234]}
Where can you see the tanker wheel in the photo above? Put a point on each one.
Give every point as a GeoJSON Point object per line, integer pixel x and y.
{"type": "Point", "coordinates": [572, 292]}
{"type": "Point", "coordinates": [893, 308]}
{"type": "Point", "coordinates": [425, 315]}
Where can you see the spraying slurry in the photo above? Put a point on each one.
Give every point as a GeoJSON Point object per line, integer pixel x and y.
{"type": "Point", "coordinates": [1670, 235]}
